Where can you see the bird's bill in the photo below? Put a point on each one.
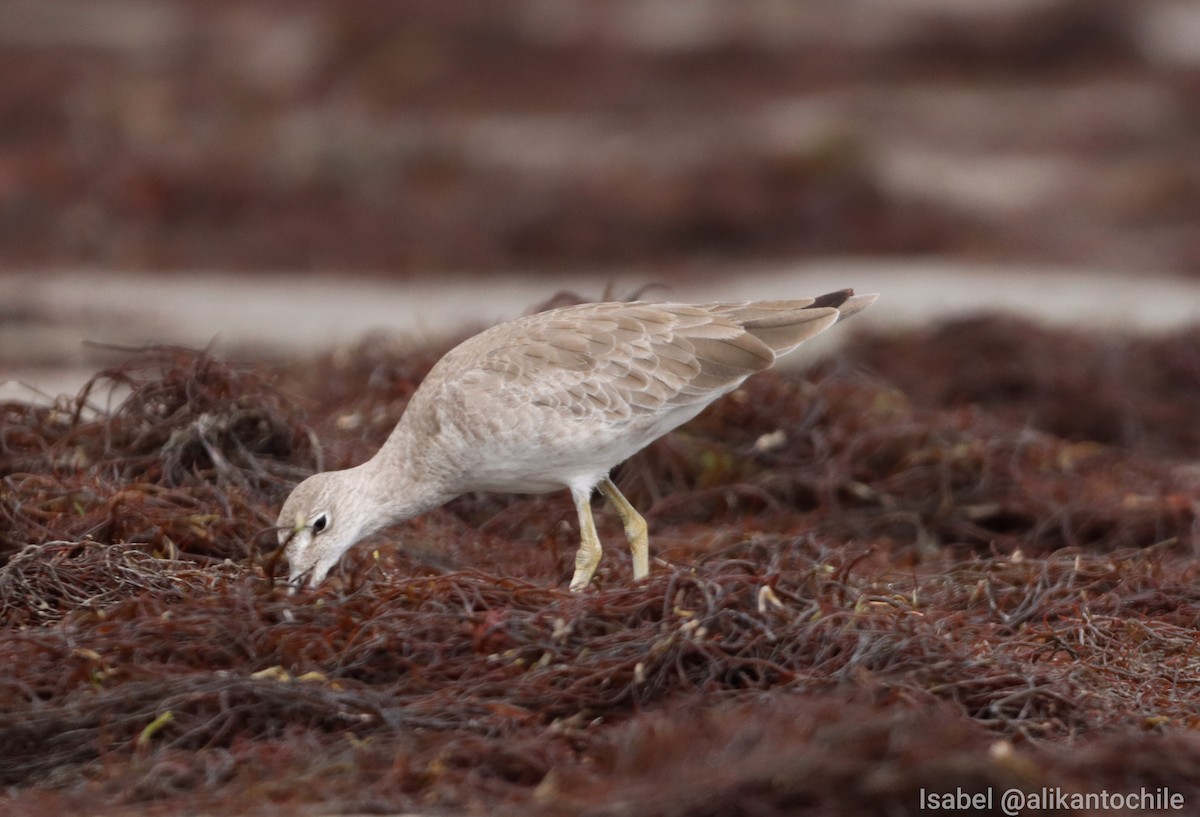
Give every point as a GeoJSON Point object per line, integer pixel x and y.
{"type": "Point", "coordinates": [298, 548]}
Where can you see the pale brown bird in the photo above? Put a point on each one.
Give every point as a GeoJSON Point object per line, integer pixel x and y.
{"type": "Point", "coordinates": [549, 401]}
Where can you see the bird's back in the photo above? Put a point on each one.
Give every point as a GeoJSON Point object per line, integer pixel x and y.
{"type": "Point", "coordinates": [566, 394]}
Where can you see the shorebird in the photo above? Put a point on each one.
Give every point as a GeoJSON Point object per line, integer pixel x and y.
{"type": "Point", "coordinates": [549, 401]}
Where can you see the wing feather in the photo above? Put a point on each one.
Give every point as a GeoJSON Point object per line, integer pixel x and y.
{"type": "Point", "coordinates": [636, 359]}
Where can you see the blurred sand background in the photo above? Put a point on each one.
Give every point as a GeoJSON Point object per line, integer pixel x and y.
{"type": "Point", "coordinates": [274, 178]}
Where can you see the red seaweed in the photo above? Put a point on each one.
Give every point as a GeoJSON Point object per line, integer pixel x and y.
{"type": "Point", "coordinates": [859, 589]}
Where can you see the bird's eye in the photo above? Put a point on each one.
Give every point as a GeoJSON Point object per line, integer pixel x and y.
{"type": "Point", "coordinates": [320, 522]}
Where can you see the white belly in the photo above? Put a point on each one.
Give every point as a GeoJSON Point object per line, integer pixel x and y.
{"type": "Point", "coordinates": [569, 454]}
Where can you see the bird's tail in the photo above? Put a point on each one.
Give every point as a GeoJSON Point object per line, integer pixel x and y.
{"type": "Point", "coordinates": [784, 325]}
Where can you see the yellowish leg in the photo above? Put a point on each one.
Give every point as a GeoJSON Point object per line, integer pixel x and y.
{"type": "Point", "coordinates": [635, 529]}
{"type": "Point", "coordinates": [588, 556]}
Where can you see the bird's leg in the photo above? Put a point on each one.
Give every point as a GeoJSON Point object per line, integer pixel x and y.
{"type": "Point", "coordinates": [635, 528]}
{"type": "Point", "coordinates": [588, 556]}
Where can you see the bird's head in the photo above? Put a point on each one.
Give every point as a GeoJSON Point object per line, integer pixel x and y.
{"type": "Point", "coordinates": [321, 520]}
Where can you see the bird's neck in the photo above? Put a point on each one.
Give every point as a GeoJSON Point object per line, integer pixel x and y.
{"type": "Point", "coordinates": [402, 485]}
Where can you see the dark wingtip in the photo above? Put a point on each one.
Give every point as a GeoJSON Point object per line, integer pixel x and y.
{"type": "Point", "coordinates": [834, 299]}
